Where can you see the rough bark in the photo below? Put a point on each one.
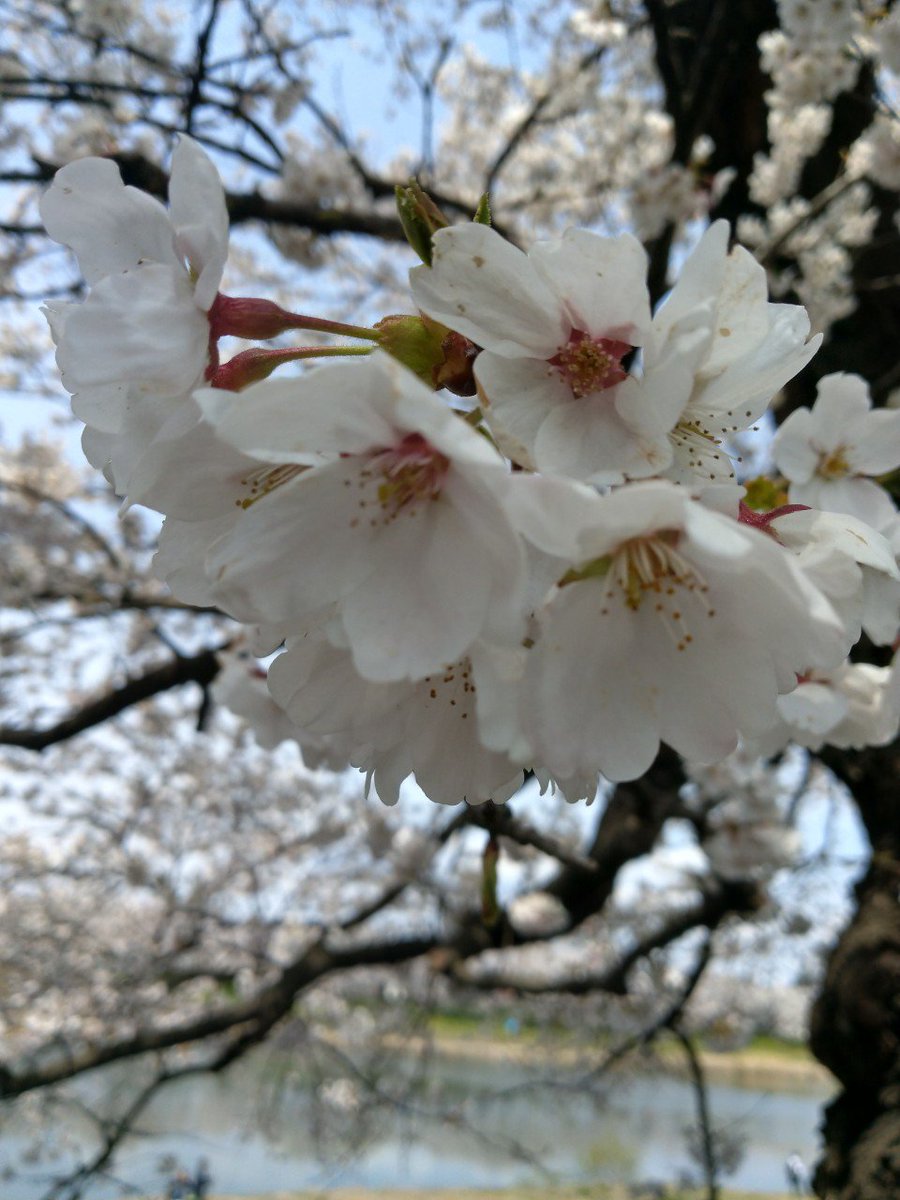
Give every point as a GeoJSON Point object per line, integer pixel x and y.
{"type": "Point", "coordinates": [856, 1019]}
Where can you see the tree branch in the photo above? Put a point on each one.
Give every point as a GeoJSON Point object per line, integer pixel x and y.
{"type": "Point", "coordinates": [199, 668]}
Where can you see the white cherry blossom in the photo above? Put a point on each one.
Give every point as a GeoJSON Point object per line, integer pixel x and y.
{"type": "Point", "coordinates": [240, 686]}
{"type": "Point", "coordinates": [717, 353]}
{"type": "Point", "coordinates": [678, 624]}
{"type": "Point", "coordinates": [429, 727]}
{"type": "Point", "coordinates": [372, 496]}
{"type": "Point", "coordinates": [555, 325]}
{"type": "Point", "coordinates": [153, 273]}
{"type": "Point", "coordinates": [139, 343]}
{"type": "Point", "coordinates": [851, 707]}
{"type": "Point", "coordinates": [851, 563]}
{"type": "Point", "coordinates": [830, 453]}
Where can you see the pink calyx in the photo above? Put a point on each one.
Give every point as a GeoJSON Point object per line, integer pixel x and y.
{"type": "Point", "coordinates": [763, 520]}
{"type": "Point", "coordinates": [590, 364]}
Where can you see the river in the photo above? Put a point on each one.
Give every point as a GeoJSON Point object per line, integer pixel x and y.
{"type": "Point", "coordinates": [254, 1145]}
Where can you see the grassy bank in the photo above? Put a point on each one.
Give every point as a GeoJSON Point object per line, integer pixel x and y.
{"type": "Point", "coordinates": [585, 1192]}
{"type": "Point", "coordinates": [766, 1062]}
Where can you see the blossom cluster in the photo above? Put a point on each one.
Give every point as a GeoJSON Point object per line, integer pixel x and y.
{"type": "Point", "coordinates": [504, 534]}
{"type": "Point", "coordinates": [811, 59]}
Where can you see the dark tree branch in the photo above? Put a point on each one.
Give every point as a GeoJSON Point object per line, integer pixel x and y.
{"type": "Point", "coordinates": [198, 72]}
{"type": "Point", "coordinates": [199, 668]}
{"type": "Point", "coordinates": [497, 818]}
{"type": "Point", "coordinates": [720, 901]}
{"type": "Point", "coordinates": [629, 827]}
{"type": "Point", "coordinates": [701, 1099]}
{"type": "Point", "coordinates": [249, 1019]}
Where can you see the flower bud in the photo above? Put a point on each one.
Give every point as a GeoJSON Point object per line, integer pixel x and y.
{"type": "Point", "coordinates": [250, 318]}
{"type": "Point", "coordinates": [420, 218]}
{"type": "Point", "coordinates": [439, 357]}
{"type": "Point", "coordinates": [250, 366]}
{"type": "Point", "coordinates": [455, 372]}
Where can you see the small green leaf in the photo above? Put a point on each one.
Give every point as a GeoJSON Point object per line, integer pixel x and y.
{"type": "Point", "coordinates": [483, 211]}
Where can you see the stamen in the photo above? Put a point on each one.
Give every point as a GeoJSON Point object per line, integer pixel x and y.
{"type": "Point", "coordinates": [702, 450]}
{"type": "Point", "coordinates": [833, 464]}
{"type": "Point", "coordinates": [411, 473]}
{"type": "Point", "coordinates": [654, 565]}
{"type": "Point", "coordinates": [260, 483]}
{"type": "Point", "coordinates": [590, 364]}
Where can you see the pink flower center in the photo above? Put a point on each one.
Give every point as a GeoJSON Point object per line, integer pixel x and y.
{"type": "Point", "coordinates": [409, 472]}
{"type": "Point", "coordinates": [590, 364]}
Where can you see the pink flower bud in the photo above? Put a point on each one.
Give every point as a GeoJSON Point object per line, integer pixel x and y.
{"type": "Point", "coordinates": [248, 317]}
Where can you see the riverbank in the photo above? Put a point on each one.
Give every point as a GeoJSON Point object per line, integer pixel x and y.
{"type": "Point", "coordinates": [750, 1068]}
{"type": "Point", "coordinates": [766, 1064]}
{"type": "Point", "coordinates": [582, 1192]}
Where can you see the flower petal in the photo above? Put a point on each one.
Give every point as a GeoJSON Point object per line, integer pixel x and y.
{"type": "Point", "coordinates": [110, 227]}
{"type": "Point", "coordinates": [484, 288]}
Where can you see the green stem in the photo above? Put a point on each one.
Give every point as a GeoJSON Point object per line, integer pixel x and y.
{"type": "Point", "coordinates": [250, 366]}
{"type": "Point", "coordinates": [321, 326]}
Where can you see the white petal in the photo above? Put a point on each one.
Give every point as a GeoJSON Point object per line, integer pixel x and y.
{"type": "Point", "coordinates": [110, 227]}
{"type": "Point", "coordinates": [324, 413]}
{"type": "Point", "coordinates": [842, 401]}
{"type": "Point", "coordinates": [180, 557]}
{"type": "Point", "coordinates": [551, 513]}
{"type": "Point", "coordinates": [602, 280]}
{"type": "Point", "coordinates": [187, 472]}
{"type": "Point", "coordinates": [517, 395]}
{"type": "Point", "coordinates": [876, 444]}
{"type": "Point", "coordinates": [881, 608]}
{"type": "Point", "coordinates": [741, 394]}
{"type": "Point", "coordinates": [699, 279]}
{"type": "Point", "coordinates": [741, 318]}
{"type": "Point", "coordinates": [428, 601]}
{"type": "Point", "coordinates": [200, 217]}
{"type": "Point", "coordinates": [263, 567]}
{"type": "Point", "coordinates": [587, 439]}
{"type": "Point", "coordinates": [587, 704]}
{"type": "Point", "coordinates": [793, 449]}
{"type": "Point", "coordinates": [861, 498]}
{"type": "Point", "coordinates": [487, 290]}
{"type": "Point", "coordinates": [141, 326]}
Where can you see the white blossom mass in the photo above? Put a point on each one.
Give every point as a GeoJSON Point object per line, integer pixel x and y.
{"type": "Point", "coordinates": [555, 576]}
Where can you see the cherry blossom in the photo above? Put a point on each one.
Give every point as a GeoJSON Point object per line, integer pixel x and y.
{"type": "Point", "coordinates": [429, 727]}
{"type": "Point", "coordinates": [241, 687]}
{"type": "Point", "coordinates": [853, 706]}
{"type": "Point", "coordinates": [851, 564]}
{"type": "Point", "coordinates": [556, 325]}
{"type": "Point", "coordinates": [396, 501]}
{"type": "Point", "coordinates": [830, 453]}
{"type": "Point", "coordinates": [133, 350]}
{"type": "Point", "coordinates": [670, 605]}
{"type": "Point", "coordinates": [153, 273]}
{"type": "Point", "coordinates": [717, 353]}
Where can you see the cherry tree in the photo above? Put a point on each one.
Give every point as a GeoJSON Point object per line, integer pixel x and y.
{"type": "Point", "coordinates": [509, 536]}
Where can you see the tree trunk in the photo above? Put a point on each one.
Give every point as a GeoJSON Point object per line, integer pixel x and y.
{"type": "Point", "coordinates": [855, 1028]}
